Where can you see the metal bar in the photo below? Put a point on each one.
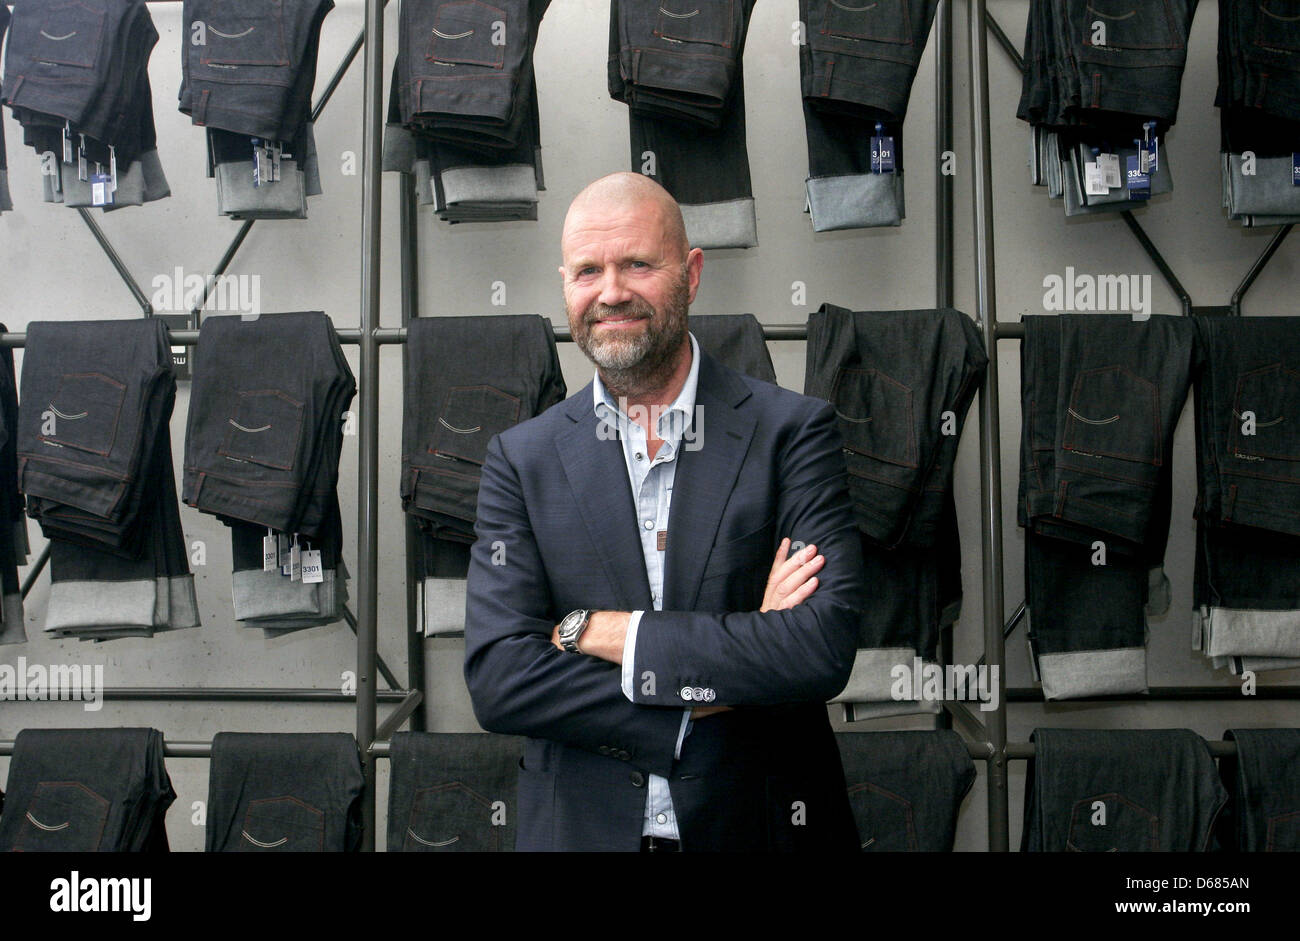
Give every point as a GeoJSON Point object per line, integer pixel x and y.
{"type": "Point", "coordinates": [1011, 624]}
{"type": "Point", "coordinates": [389, 676]}
{"type": "Point", "coordinates": [943, 210]}
{"type": "Point", "coordinates": [368, 390]}
{"type": "Point", "coordinates": [116, 260]}
{"type": "Point", "coordinates": [1007, 45]}
{"type": "Point", "coordinates": [1159, 260]}
{"type": "Point", "coordinates": [990, 463]}
{"type": "Point", "coordinates": [1257, 268]}
{"type": "Point", "coordinates": [236, 694]}
{"type": "Point", "coordinates": [409, 233]}
{"type": "Point", "coordinates": [399, 715]}
{"type": "Point", "coordinates": [966, 719]}
{"type": "Point", "coordinates": [37, 567]}
{"type": "Point", "coordinates": [196, 314]}
{"type": "Point", "coordinates": [1164, 694]}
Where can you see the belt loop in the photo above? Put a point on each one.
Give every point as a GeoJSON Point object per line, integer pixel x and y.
{"type": "Point", "coordinates": [830, 70]}
{"type": "Point", "coordinates": [200, 116]}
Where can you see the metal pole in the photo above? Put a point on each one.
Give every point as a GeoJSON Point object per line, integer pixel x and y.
{"type": "Point", "coordinates": [368, 390]}
{"type": "Point", "coordinates": [1161, 265]}
{"type": "Point", "coordinates": [116, 260]}
{"type": "Point", "coordinates": [990, 453]}
{"type": "Point", "coordinates": [410, 231]}
{"type": "Point", "coordinates": [1273, 245]}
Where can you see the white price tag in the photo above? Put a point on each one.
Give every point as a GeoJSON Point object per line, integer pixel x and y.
{"type": "Point", "coordinates": [312, 571]}
{"type": "Point", "coordinates": [1110, 167]}
{"type": "Point", "coordinates": [270, 556]}
{"type": "Point", "coordinates": [1094, 180]}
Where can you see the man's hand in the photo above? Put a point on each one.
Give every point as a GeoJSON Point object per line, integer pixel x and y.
{"type": "Point", "coordinates": [792, 580]}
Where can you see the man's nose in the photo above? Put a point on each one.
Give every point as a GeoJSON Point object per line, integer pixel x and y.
{"type": "Point", "coordinates": [613, 289]}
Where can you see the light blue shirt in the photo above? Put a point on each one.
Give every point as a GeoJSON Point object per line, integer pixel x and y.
{"type": "Point", "coordinates": [652, 492]}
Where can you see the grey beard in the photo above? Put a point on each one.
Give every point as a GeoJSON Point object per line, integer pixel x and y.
{"type": "Point", "coordinates": [647, 373]}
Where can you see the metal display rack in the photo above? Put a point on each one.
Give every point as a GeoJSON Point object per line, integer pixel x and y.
{"type": "Point", "coordinates": [985, 740]}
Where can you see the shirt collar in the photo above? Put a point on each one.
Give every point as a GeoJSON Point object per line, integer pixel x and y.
{"type": "Point", "coordinates": [684, 403]}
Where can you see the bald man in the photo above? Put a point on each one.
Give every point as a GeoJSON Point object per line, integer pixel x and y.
{"type": "Point", "coordinates": [666, 581]}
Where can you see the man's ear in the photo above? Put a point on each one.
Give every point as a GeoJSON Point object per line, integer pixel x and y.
{"type": "Point", "coordinates": [694, 265]}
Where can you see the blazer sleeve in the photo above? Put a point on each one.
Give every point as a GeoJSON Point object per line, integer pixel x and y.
{"type": "Point", "coordinates": [803, 654]}
{"type": "Point", "coordinates": [519, 682]}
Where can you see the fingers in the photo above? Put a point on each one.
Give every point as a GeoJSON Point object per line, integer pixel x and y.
{"type": "Point", "coordinates": [785, 566]}
{"type": "Point", "coordinates": [800, 574]}
{"type": "Point", "coordinates": [779, 560]}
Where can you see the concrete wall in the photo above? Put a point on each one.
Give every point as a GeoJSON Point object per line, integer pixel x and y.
{"type": "Point", "coordinates": [52, 270]}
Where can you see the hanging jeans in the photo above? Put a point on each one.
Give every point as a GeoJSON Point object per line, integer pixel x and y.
{"type": "Point", "coordinates": [1097, 791]}
{"type": "Point", "coordinates": [677, 66]}
{"type": "Point", "coordinates": [87, 791]}
{"type": "Point", "coordinates": [453, 792]}
{"type": "Point", "coordinates": [284, 792]}
{"type": "Point", "coordinates": [901, 383]}
{"type": "Point", "coordinates": [467, 378]}
{"type": "Point", "coordinates": [1263, 781]}
{"type": "Point", "coordinates": [6, 203]}
{"type": "Point", "coordinates": [906, 788]}
{"type": "Point", "coordinates": [13, 510]}
{"type": "Point", "coordinates": [735, 340]}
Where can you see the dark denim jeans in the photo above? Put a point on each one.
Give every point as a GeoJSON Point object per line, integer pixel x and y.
{"type": "Point", "coordinates": [453, 792]}
{"type": "Point", "coordinates": [906, 788]}
{"type": "Point", "coordinates": [284, 792]}
{"type": "Point", "coordinates": [86, 791]}
{"type": "Point", "coordinates": [255, 71]}
{"type": "Point", "coordinates": [266, 420]}
{"type": "Point", "coordinates": [1089, 790]}
{"type": "Point", "coordinates": [13, 515]}
{"type": "Point", "coordinates": [1263, 781]}
{"type": "Point", "coordinates": [735, 340]}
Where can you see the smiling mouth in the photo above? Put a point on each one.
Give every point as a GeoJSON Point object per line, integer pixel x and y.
{"type": "Point", "coordinates": [620, 320]}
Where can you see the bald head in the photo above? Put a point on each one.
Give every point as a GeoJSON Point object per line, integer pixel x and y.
{"type": "Point", "coordinates": [631, 192]}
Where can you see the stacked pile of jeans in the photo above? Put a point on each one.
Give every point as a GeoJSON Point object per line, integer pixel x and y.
{"type": "Point", "coordinates": [1102, 791]}
{"type": "Point", "coordinates": [95, 461]}
{"type": "Point", "coordinates": [1101, 395]}
{"type": "Point", "coordinates": [248, 69]}
{"type": "Point", "coordinates": [856, 67]}
{"type": "Point", "coordinates": [285, 793]}
{"type": "Point", "coordinates": [1246, 613]}
{"type": "Point", "coordinates": [906, 788]}
{"type": "Point", "coordinates": [1101, 81]}
{"type": "Point", "coordinates": [901, 383]}
{"type": "Point", "coordinates": [462, 112]}
{"type": "Point", "coordinates": [262, 445]}
{"type": "Point", "coordinates": [1259, 102]}
{"type": "Point", "coordinates": [1263, 782]}
{"type": "Point", "coordinates": [677, 65]}
{"type": "Point", "coordinates": [77, 79]}
{"type": "Point", "coordinates": [466, 379]}
{"type": "Point", "coordinates": [87, 791]}
{"type": "Point", "coordinates": [13, 511]}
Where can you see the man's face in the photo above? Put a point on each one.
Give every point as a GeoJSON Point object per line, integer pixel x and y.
{"type": "Point", "coordinates": [627, 288]}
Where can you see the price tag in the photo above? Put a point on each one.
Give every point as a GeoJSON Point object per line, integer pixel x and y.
{"type": "Point", "coordinates": [1295, 169]}
{"type": "Point", "coordinates": [270, 552]}
{"type": "Point", "coordinates": [312, 571]}
{"type": "Point", "coordinates": [282, 552]}
{"type": "Point", "coordinates": [1094, 179]}
{"type": "Point", "coordinates": [101, 188]}
{"type": "Point", "coordinates": [882, 154]}
{"type": "Point", "coordinates": [1110, 167]}
{"type": "Point", "coordinates": [295, 560]}
{"type": "Point", "coordinates": [1139, 184]}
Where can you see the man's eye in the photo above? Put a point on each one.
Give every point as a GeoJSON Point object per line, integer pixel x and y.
{"type": "Point", "coordinates": [639, 264]}
{"type": "Point", "coordinates": [584, 272]}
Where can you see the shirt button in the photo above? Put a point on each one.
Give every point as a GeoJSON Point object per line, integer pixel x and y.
{"type": "Point", "coordinates": [637, 778]}
{"type": "Point", "coordinates": [640, 456]}
{"type": "Point", "coordinates": [661, 818]}
{"type": "Point", "coordinates": [649, 524]}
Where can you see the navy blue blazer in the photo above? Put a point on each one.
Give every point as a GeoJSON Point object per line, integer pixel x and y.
{"type": "Point", "coordinates": [557, 531]}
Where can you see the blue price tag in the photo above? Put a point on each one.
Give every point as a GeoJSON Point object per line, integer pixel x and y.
{"type": "Point", "coordinates": [1295, 169]}
{"type": "Point", "coordinates": [1139, 183]}
{"type": "Point", "coordinates": [882, 154]}
{"type": "Point", "coordinates": [101, 189]}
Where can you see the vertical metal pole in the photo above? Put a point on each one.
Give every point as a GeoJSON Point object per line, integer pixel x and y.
{"type": "Point", "coordinates": [990, 455]}
{"type": "Point", "coordinates": [411, 308]}
{"type": "Point", "coordinates": [368, 389]}
{"type": "Point", "coordinates": [943, 211]}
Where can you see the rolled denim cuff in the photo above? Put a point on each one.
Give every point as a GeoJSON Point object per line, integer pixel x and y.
{"type": "Point", "coordinates": [1078, 673]}
{"type": "Point", "coordinates": [1241, 632]}
{"type": "Point", "coordinates": [444, 605]}
{"type": "Point", "coordinates": [1269, 191]}
{"type": "Point", "coordinates": [872, 677]}
{"type": "Point", "coordinates": [491, 184]}
{"type": "Point", "coordinates": [728, 224]}
{"type": "Point", "coordinates": [856, 201]}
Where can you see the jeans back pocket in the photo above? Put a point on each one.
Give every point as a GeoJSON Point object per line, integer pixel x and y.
{"type": "Point", "coordinates": [1111, 823]}
{"type": "Point", "coordinates": [1113, 412]}
{"type": "Point", "coordinates": [885, 820]}
{"type": "Point", "coordinates": [244, 33]}
{"type": "Point", "coordinates": [452, 818]}
{"type": "Point", "coordinates": [1266, 414]}
{"type": "Point", "coordinates": [468, 32]}
{"type": "Point", "coordinates": [84, 413]}
{"type": "Point", "coordinates": [1277, 26]}
{"type": "Point", "coordinates": [63, 817]}
{"type": "Point", "coordinates": [470, 416]}
{"type": "Point", "coordinates": [61, 34]}
{"type": "Point", "coordinates": [1135, 25]}
{"type": "Point", "coordinates": [874, 20]}
{"type": "Point", "coordinates": [703, 21]}
{"type": "Point", "coordinates": [265, 428]}
{"type": "Point", "coordinates": [282, 824]}
{"type": "Point", "coordinates": [875, 415]}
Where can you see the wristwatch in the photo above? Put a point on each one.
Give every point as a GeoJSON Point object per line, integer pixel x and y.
{"type": "Point", "coordinates": [571, 628]}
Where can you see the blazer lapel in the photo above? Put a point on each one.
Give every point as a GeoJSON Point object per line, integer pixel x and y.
{"type": "Point", "coordinates": [706, 475]}
{"type": "Point", "coordinates": [597, 473]}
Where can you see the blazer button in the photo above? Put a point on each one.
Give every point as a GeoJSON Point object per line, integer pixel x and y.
{"type": "Point", "coordinates": [624, 755]}
{"type": "Point", "coordinates": [687, 693]}
{"type": "Point", "coordinates": [638, 779]}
